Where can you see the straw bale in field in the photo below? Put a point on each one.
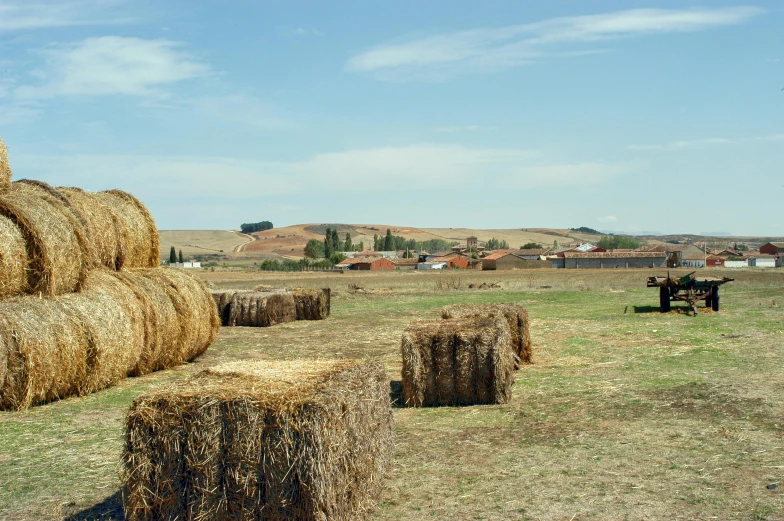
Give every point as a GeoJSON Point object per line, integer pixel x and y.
{"type": "Point", "coordinates": [136, 230]}
{"type": "Point", "coordinates": [161, 324]}
{"type": "Point", "coordinates": [312, 304]}
{"type": "Point", "coordinates": [105, 239]}
{"type": "Point", "coordinates": [197, 315]}
{"type": "Point", "coordinates": [46, 352]}
{"type": "Point", "coordinates": [302, 440]}
{"type": "Point", "coordinates": [54, 239]}
{"type": "Point", "coordinates": [13, 259]}
{"type": "Point", "coordinates": [515, 314]}
{"type": "Point", "coordinates": [459, 361]}
{"type": "Point", "coordinates": [5, 168]}
{"type": "Point", "coordinates": [254, 308]}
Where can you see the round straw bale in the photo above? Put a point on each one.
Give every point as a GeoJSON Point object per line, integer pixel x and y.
{"type": "Point", "coordinates": [114, 320]}
{"type": "Point", "coordinates": [54, 238]}
{"type": "Point", "coordinates": [13, 259]}
{"type": "Point", "coordinates": [161, 324]}
{"type": "Point", "coordinates": [197, 313]}
{"type": "Point", "coordinates": [103, 236]}
{"type": "Point", "coordinates": [139, 240]}
{"type": "Point", "coordinates": [45, 351]}
{"type": "Point", "coordinates": [5, 168]}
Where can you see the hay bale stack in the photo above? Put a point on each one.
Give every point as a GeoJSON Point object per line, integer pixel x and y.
{"type": "Point", "coordinates": [138, 236]}
{"type": "Point", "coordinates": [303, 440]}
{"type": "Point", "coordinates": [515, 315]}
{"type": "Point", "coordinates": [105, 239]}
{"type": "Point", "coordinates": [113, 318]}
{"type": "Point", "coordinates": [254, 308]}
{"type": "Point", "coordinates": [5, 168]}
{"type": "Point", "coordinates": [45, 352]}
{"type": "Point", "coordinates": [54, 239]}
{"type": "Point", "coordinates": [74, 344]}
{"type": "Point", "coordinates": [459, 361]}
{"type": "Point", "coordinates": [13, 259]}
{"type": "Point", "coordinates": [161, 324]}
{"type": "Point", "coordinates": [312, 304]}
{"type": "Point", "coordinates": [197, 316]}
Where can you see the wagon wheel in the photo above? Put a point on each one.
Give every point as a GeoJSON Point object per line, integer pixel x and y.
{"type": "Point", "coordinates": [715, 298]}
{"type": "Point", "coordinates": [664, 299]}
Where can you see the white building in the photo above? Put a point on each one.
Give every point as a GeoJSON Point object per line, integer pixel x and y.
{"type": "Point", "coordinates": [431, 265]}
{"type": "Point", "coordinates": [693, 261]}
{"type": "Point", "coordinates": [763, 261]}
{"type": "Point", "coordinates": [736, 263]}
{"type": "Point", "coordinates": [185, 265]}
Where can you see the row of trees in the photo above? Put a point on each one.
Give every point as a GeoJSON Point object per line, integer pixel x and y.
{"type": "Point", "coordinates": [256, 227]}
{"type": "Point", "coordinates": [173, 256]}
{"type": "Point", "coordinates": [614, 242]}
{"type": "Point", "coordinates": [495, 244]}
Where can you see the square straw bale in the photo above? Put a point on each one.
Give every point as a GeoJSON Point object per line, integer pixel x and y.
{"type": "Point", "coordinates": [300, 440]}
{"type": "Point", "coordinates": [460, 361]}
{"type": "Point", "coordinates": [312, 304]}
{"type": "Point", "coordinates": [515, 315]}
{"type": "Point", "coordinates": [255, 308]}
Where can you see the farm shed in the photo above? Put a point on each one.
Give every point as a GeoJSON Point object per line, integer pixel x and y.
{"type": "Point", "coordinates": [532, 254]}
{"type": "Point", "coordinates": [763, 261]}
{"type": "Point", "coordinates": [736, 263]}
{"type": "Point", "coordinates": [635, 259]}
{"type": "Point", "coordinates": [404, 264]}
{"type": "Point", "coordinates": [454, 261]}
{"type": "Point", "coordinates": [772, 248]}
{"type": "Point", "coordinates": [714, 261]}
{"type": "Point", "coordinates": [380, 264]}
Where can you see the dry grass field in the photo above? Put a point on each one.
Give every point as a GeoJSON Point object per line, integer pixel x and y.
{"type": "Point", "coordinates": [626, 413]}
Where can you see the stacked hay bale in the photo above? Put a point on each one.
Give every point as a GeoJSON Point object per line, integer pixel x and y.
{"type": "Point", "coordinates": [70, 326]}
{"type": "Point", "coordinates": [270, 307]}
{"type": "Point", "coordinates": [119, 324]}
{"type": "Point", "coordinates": [312, 304]}
{"type": "Point", "coordinates": [261, 440]}
{"type": "Point", "coordinates": [457, 361]}
{"type": "Point", "coordinates": [255, 308]}
{"type": "Point", "coordinates": [515, 315]}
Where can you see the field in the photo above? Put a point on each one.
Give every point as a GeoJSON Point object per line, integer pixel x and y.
{"type": "Point", "coordinates": [289, 241]}
{"type": "Point", "coordinates": [626, 413]}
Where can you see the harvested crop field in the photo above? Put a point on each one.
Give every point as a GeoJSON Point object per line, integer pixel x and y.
{"type": "Point", "coordinates": [625, 412]}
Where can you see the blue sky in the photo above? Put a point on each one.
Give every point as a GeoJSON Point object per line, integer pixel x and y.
{"type": "Point", "coordinates": [630, 116]}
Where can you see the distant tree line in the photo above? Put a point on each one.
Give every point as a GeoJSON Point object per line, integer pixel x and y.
{"type": "Point", "coordinates": [585, 229]}
{"type": "Point", "coordinates": [495, 244]}
{"type": "Point", "coordinates": [292, 265]}
{"type": "Point", "coordinates": [534, 246]}
{"type": "Point", "coordinates": [256, 227]}
{"type": "Point", "coordinates": [391, 242]}
{"type": "Point", "coordinates": [614, 242]}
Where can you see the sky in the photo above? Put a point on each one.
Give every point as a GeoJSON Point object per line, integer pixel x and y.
{"type": "Point", "coordinates": [627, 116]}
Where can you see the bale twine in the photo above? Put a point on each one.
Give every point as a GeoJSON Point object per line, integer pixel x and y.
{"type": "Point", "coordinates": [105, 238]}
{"type": "Point", "coordinates": [13, 259]}
{"type": "Point", "coordinates": [54, 239]}
{"type": "Point", "coordinates": [515, 315]}
{"type": "Point", "coordinates": [5, 168]}
{"type": "Point", "coordinates": [301, 440]}
{"type": "Point", "coordinates": [312, 304]}
{"type": "Point", "coordinates": [138, 236]}
{"type": "Point", "coordinates": [197, 315]}
{"type": "Point", "coordinates": [461, 361]}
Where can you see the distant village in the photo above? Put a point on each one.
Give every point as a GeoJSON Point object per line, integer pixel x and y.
{"type": "Point", "coordinates": [584, 255]}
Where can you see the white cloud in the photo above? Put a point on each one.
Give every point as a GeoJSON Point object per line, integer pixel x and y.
{"type": "Point", "coordinates": [112, 65]}
{"type": "Point", "coordinates": [443, 55]}
{"type": "Point", "coordinates": [607, 219]}
{"type": "Point", "coordinates": [18, 15]}
{"type": "Point", "coordinates": [706, 142]}
{"type": "Point", "coordinates": [366, 171]}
